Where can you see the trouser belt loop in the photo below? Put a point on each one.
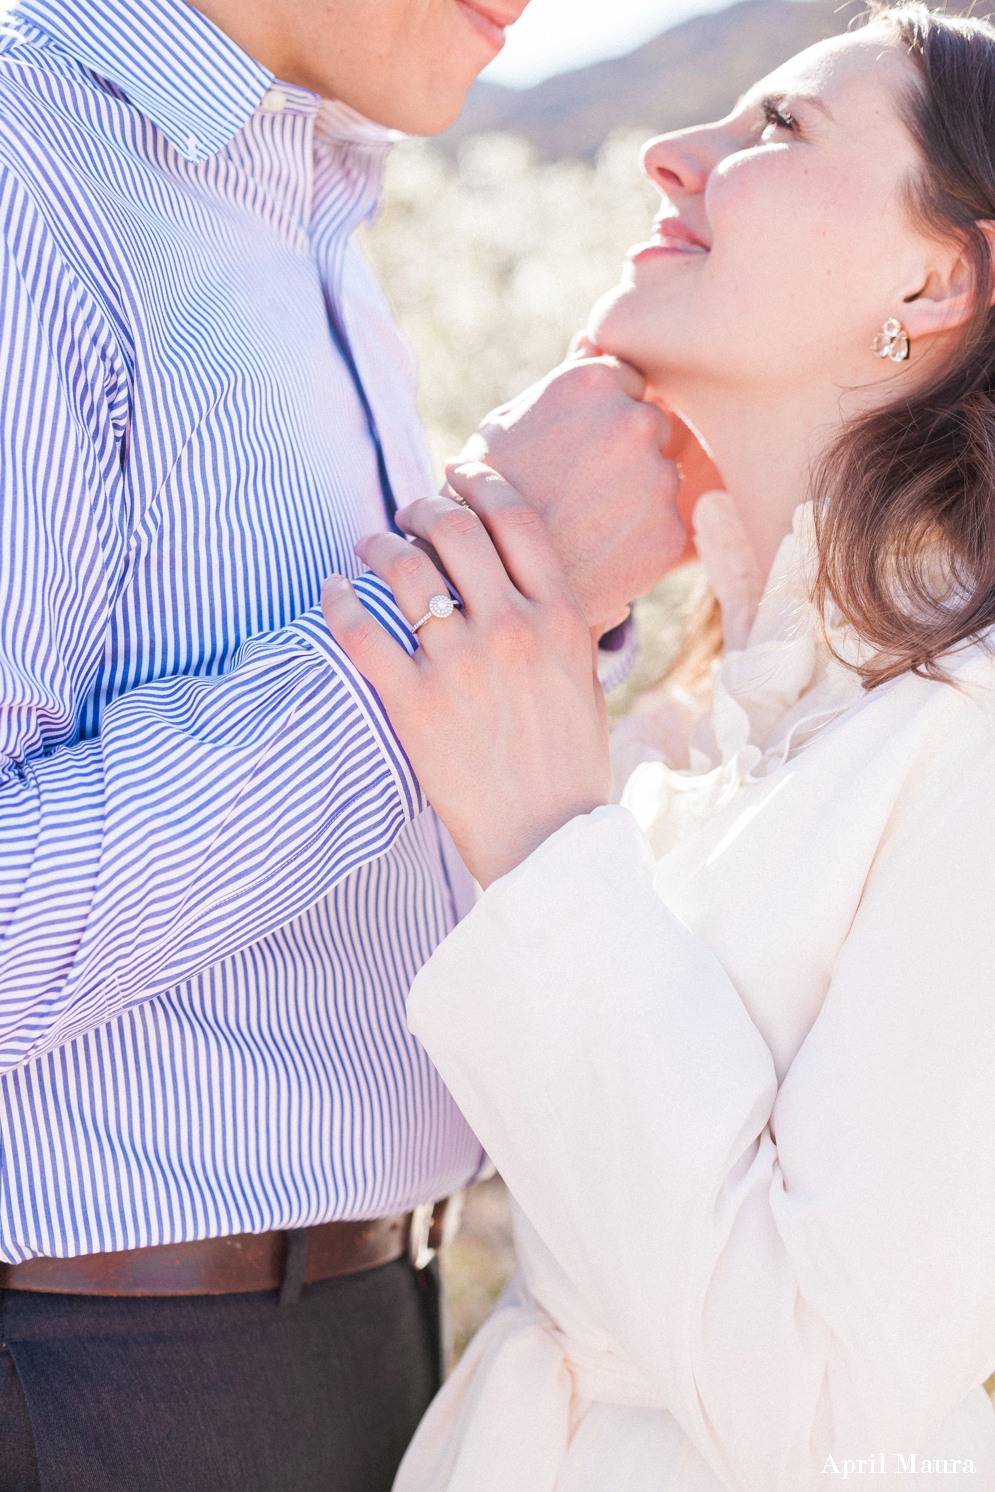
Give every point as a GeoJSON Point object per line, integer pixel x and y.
{"type": "Point", "coordinates": [293, 1270]}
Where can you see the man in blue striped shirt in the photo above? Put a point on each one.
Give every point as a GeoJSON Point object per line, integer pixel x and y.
{"type": "Point", "coordinates": [218, 877]}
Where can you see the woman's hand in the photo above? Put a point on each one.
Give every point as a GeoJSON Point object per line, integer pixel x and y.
{"type": "Point", "coordinates": [500, 710]}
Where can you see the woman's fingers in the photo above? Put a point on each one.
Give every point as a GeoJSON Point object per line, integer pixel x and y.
{"type": "Point", "coordinates": [516, 529]}
{"type": "Point", "coordinates": [407, 569]}
{"type": "Point", "coordinates": [377, 656]}
{"type": "Point", "coordinates": [464, 547]}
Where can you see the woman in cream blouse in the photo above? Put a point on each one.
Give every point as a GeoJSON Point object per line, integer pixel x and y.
{"type": "Point", "coordinates": [732, 1043]}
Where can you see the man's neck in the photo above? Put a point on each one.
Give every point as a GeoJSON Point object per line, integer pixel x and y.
{"type": "Point", "coordinates": [256, 29]}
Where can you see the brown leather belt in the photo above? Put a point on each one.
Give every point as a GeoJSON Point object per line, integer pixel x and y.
{"type": "Point", "coordinates": [222, 1266]}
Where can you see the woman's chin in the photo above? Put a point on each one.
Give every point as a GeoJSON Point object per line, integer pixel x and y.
{"type": "Point", "coordinates": [618, 324]}
{"type": "Point", "coordinates": [612, 326]}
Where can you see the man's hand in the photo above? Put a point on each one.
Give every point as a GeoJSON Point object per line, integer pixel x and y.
{"type": "Point", "coordinates": [583, 451]}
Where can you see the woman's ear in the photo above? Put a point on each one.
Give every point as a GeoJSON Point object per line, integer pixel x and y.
{"type": "Point", "coordinates": [946, 296]}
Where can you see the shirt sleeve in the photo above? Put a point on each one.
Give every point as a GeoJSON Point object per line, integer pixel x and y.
{"type": "Point", "coordinates": [801, 1273]}
{"type": "Point", "coordinates": [207, 811]}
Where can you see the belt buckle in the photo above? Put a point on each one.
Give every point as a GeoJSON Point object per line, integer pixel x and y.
{"type": "Point", "coordinates": [433, 1225]}
{"type": "Point", "coordinates": [419, 1249]}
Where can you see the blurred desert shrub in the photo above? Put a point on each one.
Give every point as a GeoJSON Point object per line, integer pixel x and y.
{"type": "Point", "coordinates": [493, 261]}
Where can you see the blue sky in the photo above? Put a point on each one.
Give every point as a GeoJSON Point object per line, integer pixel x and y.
{"type": "Point", "coordinates": [556, 35]}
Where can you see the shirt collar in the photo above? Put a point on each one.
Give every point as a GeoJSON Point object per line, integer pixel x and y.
{"type": "Point", "coordinates": [174, 65]}
{"type": "Point", "coordinates": [341, 125]}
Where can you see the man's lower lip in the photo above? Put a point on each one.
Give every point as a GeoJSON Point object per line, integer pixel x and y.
{"type": "Point", "coordinates": [674, 247]}
{"type": "Point", "coordinates": [493, 32]}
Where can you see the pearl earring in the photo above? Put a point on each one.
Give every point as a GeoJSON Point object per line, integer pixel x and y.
{"type": "Point", "coordinates": [892, 341]}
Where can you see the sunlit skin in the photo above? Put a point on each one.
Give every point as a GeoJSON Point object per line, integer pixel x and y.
{"type": "Point", "coordinates": [783, 243]}
{"type": "Point", "coordinates": [753, 316]}
{"type": "Point", "coordinates": [403, 63]}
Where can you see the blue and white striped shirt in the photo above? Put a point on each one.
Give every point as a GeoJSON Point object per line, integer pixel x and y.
{"type": "Point", "coordinates": [217, 881]}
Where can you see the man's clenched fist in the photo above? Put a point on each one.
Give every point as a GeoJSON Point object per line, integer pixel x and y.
{"type": "Point", "coordinates": [587, 455]}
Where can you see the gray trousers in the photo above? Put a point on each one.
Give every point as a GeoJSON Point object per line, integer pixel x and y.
{"type": "Point", "coordinates": [229, 1393]}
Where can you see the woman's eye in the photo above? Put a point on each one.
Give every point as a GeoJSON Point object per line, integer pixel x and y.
{"type": "Point", "coordinates": [776, 116]}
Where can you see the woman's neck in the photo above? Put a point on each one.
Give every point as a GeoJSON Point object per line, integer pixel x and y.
{"type": "Point", "coordinates": [764, 451]}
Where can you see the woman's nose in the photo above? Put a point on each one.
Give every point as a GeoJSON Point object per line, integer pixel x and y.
{"type": "Point", "coordinates": [680, 162]}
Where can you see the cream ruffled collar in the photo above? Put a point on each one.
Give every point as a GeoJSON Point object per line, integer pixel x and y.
{"type": "Point", "coordinates": [769, 697]}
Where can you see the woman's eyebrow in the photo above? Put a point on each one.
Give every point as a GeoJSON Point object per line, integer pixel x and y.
{"type": "Point", "coordinates": [754, 97]}
{"type": "Point", "coordinates": [816, 102]}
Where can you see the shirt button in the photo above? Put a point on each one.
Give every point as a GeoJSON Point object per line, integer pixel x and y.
{"type": "Point", "coordinates": [273, 101]}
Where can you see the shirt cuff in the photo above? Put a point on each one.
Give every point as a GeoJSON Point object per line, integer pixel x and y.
{"type": "Point", "coordinates": [378, 598]}
{"type": "Point", "coordinates": [310, 627]}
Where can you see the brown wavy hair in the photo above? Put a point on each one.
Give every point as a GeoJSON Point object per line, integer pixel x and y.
{"type": "Point", "coordinates": [905, 497]}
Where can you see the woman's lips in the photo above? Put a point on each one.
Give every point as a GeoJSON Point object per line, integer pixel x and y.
{"type": "Point", "coordinates": [487, 22]}
{"type": "Point", "coordinates": [670, 236]}
{"type": "Point", "coordinates": [663, 245]}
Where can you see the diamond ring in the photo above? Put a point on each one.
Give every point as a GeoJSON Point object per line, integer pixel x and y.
{"type": "Point", "coordinates": [440, 606]}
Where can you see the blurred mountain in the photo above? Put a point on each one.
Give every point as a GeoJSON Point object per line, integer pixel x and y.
{"type": "Point", "coordinates": [691, 73]}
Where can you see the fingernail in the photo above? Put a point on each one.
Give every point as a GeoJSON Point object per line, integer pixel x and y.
{"type": "Point", "coordinates": [332, 584]}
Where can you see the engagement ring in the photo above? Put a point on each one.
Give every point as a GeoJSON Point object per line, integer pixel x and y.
{"type": "Point", "coordinates": [440, 606]}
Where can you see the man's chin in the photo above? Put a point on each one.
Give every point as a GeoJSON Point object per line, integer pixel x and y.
{"type": "Point", "coordinates": [443, 120]}
{"type": "Point", "coordinates": [431, 116]}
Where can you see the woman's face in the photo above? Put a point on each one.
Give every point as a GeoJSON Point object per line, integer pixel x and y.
{"type": "Point", "coordinates": [783, 241]}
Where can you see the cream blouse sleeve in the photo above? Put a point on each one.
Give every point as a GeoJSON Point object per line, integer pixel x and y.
{"type": "Point", "coordinates": [801, 1272]}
